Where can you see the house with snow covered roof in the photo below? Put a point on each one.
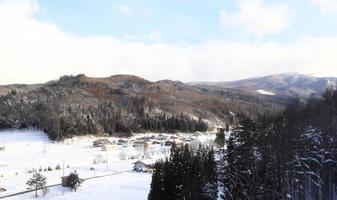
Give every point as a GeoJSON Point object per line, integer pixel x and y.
{"type": "Point", "coordinates": [145, 165]}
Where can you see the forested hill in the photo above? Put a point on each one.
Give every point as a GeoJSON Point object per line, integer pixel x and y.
{"type": "Point", "coordinates": [121, 104]}
{"type": "Point", "coordinates": [292, 156]}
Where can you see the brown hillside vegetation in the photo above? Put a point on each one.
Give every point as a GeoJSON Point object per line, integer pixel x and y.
{"type": "Point", "coordinates": [122, 104]}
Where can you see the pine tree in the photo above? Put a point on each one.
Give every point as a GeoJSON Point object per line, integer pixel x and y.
{"type": "Point", "coordinates": [157, 185]}
{"type": "Point", "coordinates": [73, 180]}
{"type": "Point", "coordinates": [210, 183]}
{"type": "Point", "coordinates": [38, 181]}
{"type": "Point", "coordinates": [220, 138]}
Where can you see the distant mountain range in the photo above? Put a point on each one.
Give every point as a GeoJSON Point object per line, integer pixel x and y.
{"type": "Point", "coordinates": [289, 84]}
{"type": "Point", "coordinates": [124, 103]}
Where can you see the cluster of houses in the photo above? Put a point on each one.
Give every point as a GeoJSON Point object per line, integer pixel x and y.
{"type": "Point", "coordinates": [145, 141]}
{"type": "Point", "coordinates": [142, 144]}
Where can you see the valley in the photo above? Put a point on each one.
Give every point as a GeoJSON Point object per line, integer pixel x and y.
{"type": "Point", "coordinates": [27, 151]}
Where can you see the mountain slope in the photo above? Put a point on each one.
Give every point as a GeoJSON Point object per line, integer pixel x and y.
{"type": "Point", "coordinates": [122, 104]}
{"type": "Point", "coordinates": [292, 84]}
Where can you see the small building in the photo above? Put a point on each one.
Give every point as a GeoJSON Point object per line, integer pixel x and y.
{"type": "Point", "coordinates": [168, 143]}
{"type": "Point", "coordinates": [196, 134]}
{"type": "Point", "coordinates": [122, 142]}
{"type": "Point", "coordinates": [174, 137]}
{"type": "Point", "coordinates": [144, 165]}
{"type": "Point", "coordinates": [156, 142]}
{"type": "Point", "coordinates": [101, 142]}
{"type": "Point", "coordinates": [140, 144]}
{"type": "Point", "coordinates": [161, 137]}
{"type": "Point", "coordinates": [65, 181]}
{"type": "Point", "coordinates": [109, 147]}
{"type": "Point", "coordinates": [152, 137]}
{"type": "Point", "coordinates": [144, 139]}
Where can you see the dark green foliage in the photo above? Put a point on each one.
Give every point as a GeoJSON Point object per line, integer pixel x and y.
{"type": "Point", "coordinates": [172, 123]}
{"type": "Point", "coordinates": [60, 121]}
{"type": "Point", "coordinates": [13, 92]}
{"type": "Point", "coordinates": [73, 181]}
{"type": "Point", "coordinates": [58, 167]}
{"type": "Point", "coordinates": [220, 138]}
{"type": "Point", "coordinates": [185, 175]}
{"type": "Point", "coordinates": [292, 156]}
{"type": "Point", "coordinates": [227, 127]}
{"type": "Point", "coordinates": [38, 181]}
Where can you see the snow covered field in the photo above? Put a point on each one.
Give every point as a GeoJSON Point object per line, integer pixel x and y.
{"type": "Point", "coordinates": [128, 185]}
{"type": "Point", "coordinates": [30, 150]}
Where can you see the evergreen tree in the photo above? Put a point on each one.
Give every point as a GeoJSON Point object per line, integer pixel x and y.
{"type": "Point", "coordinates": [220, 138]}
{"type": "Point", "coordinates": [74, 180]}
{"type": "Point", "coordinates": [38, 181]}
{"type": "Point", "coordinates": [185, 175]}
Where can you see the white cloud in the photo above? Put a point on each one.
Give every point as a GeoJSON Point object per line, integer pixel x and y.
{"type": "Point", "coordinates": [124, 9]}
{"type": "Point", "coordinates": [258, 18]}
{"type": "Point", "coordinates": [18, 7]}
{"type": "Point", "coordinates": [33, 51]}
{"type": "Point", "coordinates": [326, 6]}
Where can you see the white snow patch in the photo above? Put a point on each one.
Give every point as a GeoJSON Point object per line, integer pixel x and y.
{"type": "Point", "coordinates": [265, 92]}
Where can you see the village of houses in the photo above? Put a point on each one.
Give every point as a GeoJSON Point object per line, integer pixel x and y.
{"type": "Point", "coordinates": [121, 164]}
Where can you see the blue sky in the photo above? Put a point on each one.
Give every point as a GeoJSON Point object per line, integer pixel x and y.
{"type": "Point", "coordinates": [174, 21]}
{"type": "Point", "coordinates": [187, 40]}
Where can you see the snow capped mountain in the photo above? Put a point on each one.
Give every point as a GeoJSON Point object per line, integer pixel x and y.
{"type": "Point", "coordinates": [289, 84]}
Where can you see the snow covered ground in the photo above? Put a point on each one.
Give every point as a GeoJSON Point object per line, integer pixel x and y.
{"type": "Point", "coordinates": [30, 150]}
{"type": "Point", "coordinates": [128, 185]}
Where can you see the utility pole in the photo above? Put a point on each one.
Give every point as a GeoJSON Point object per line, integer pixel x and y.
{"type": "Point", "coordinates": [107, 163]}
{"type": "Point", "coordinates": [63, 168]}
{"type": "Point", "coordinates": [58, 129]}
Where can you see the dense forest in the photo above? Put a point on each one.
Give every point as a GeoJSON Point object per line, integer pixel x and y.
{"type": "Point", "coordinates": [186, 174]}
{"type": "Point", "coordinates": [79, 105]}
{"type": "Point", "coordinates": [65, 121]}
{"type": "Point", "coordinates": [290, 156]}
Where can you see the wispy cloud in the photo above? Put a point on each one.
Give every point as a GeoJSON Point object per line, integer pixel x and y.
{"type": "Point", "coordinates": [256, 17]}
{"type": "Point", "coordinates": [122, 8]}
{"type": "Point", "coordinates": [326, 6]}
